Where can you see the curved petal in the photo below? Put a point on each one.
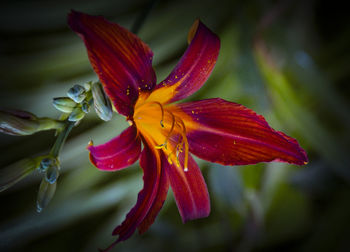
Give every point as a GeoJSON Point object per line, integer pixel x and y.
{"type": "Point", "coordinates": [120, 152]}
{"type": "Point", "coordinates": [190, 190]}
{"type": "Point", "coordinates": [162, 193]}
{"type": "Point", "coordinates": [151, 165]}
{"type": "Point", "coordinates": [231, 134]}
{"type": "Point", "coordinates": [121, 60]}
{"type": "Point", "coordinates": [193, 69]}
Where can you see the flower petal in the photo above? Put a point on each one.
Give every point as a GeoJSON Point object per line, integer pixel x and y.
{"type": "Point", "coordinates": [190, 190]}
{"type": "Point", "coordinates": [162, 192]}
{"type": "Point", "coordinates": [120, 152]}
{"type": "Point", "coordinates": [231, 134]}
{"type": "Point", "coordinates": [121, 60]}
{"type": "Point", "coordinates": [193, 68]}
{"type": "Point", "coordinates": [151, 165]}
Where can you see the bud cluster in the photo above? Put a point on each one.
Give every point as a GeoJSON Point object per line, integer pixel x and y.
{"type": "Point", "coordinates": [20, 123]}
{"type": "Point", "coordinates": [79, 100]}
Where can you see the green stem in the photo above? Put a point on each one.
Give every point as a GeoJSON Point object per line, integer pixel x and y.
{"type": "Point", "coordinates": [46, 123]}
{"type": "Point", "coordinates": [56, 148]}
{"type": "Point", "coordinates": [60, 140]}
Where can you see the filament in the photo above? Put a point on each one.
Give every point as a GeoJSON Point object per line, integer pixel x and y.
{"type": "Point", "coordinates": [169, 134]}
{"type": "Point", "coordinates": [185, 141]}
{"type": "Point", "coordinates": [162, 110]}
{"type": "Point", "coordinates": [177, 122]}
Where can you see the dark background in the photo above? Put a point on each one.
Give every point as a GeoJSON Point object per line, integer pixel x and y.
{"type": "Point", "coordinates": [287, 60]}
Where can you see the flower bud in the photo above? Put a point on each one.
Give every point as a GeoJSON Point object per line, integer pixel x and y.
{"type": "Point", "coordinates": [45, 163]}
{"type": "Point", "coordinates": [77, 93]}
{"type": "Point", "coordinates": [64, 104]}
{"type": "Point", "coordinates": [87, 86]}
{"type": "Point", "coordinates": [45, 194]}
{"type": "Point", "coordinates": [102, 103]}
{"type": "Point", "coordinates": [52, 174]}
{"type": "Point", "coordinates": [85, 107]}
{"type": "Point", "coordinates": [16, 172]}
{"type": "Point", "coordinates": [18, 123]}
{"type": "Point", "coordinates": [76, 115]}
{"type": "Point", "coordinates": [22, 123]}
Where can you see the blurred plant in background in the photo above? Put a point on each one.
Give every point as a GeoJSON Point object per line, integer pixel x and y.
{"type": "Point", "coordinates": [286, 60]}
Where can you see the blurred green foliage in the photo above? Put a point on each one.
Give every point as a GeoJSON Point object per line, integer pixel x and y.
{"type": "Point", "coordinates": [287, 60]}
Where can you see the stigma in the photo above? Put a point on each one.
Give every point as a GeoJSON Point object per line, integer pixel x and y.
{"type": "Point", "coordinates": [164, 129]}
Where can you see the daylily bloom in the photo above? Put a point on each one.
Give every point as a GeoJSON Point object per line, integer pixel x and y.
{"type": "Point", "coordinates": [213, 129]}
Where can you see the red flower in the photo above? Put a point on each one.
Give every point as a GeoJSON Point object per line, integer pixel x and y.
{"type": "Point", "coordinates": [214, 129]}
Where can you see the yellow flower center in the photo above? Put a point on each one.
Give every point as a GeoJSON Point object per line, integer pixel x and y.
{"type": "Point", "coordinates": [162, 128]}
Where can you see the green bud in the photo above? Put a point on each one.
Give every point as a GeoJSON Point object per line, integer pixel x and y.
{"type": "Point", "coordinates": [87, 86]}
{"type": "Point", "coordinates": [85, 107]}
{"type": "Point", "coordinates": [77, 93]}
{"type": "Point", "coordinates": [45, 163]}
{"type": "Point", "coordinates": [16, 172]}
{"type": "Point", "coordinates": [64, 104]}
{"type": "Point", "coordinates": [102, 103]}
{"type": "Point", "coordinates": [45, 194]}
{"type": "Point", "coordinates": [18, 123]}
{"type": "Point", "coordinates": [76, 115]}
{"type": "Point", "coordinates": [52, 174]}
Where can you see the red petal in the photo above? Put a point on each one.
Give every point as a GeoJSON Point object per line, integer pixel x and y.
{"type": "Point", "coordinates": [190, 190]}
{"type": "Point", "coordinates": [193, 69]}
{"type": "Point", "coordinates": [120, 152]}
{"type": "Point", "coordinates": [231, 134]}
{"type": "Point", "coordinates": [151, 165]}
{"type": "Point", "coordinates": [158, 201]}
{"type": "Point", "coordinates": [121, 60]}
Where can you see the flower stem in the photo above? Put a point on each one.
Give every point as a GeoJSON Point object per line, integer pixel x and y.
{"type": "Point", "coordinates": [62, 136]}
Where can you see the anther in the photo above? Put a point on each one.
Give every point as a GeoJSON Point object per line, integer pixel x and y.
{"type": "Point", "coordinates": [160, 146]}
{"type": "Point", "coordinates": [169, 159]}
{"type": "Point", "coordinates": [177, 156]}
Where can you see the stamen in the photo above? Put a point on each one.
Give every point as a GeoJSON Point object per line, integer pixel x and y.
{"type": "Point", "coordinates": [169, 159]}
{"type": "Point", "coordinates": [179, 145]}
{"type": "Point", "coordinates": [177, 129]}
{"type": "Point", "coordinates": [161, 146]}
{"type": "Point", "coordinates": [177, 155]}
{"type": "Point", "coordinates": [185, 141]}
{"type": "Point", "coordinates": [169, 134]}
{"type": "Point", "coordinates": [162, 109]}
